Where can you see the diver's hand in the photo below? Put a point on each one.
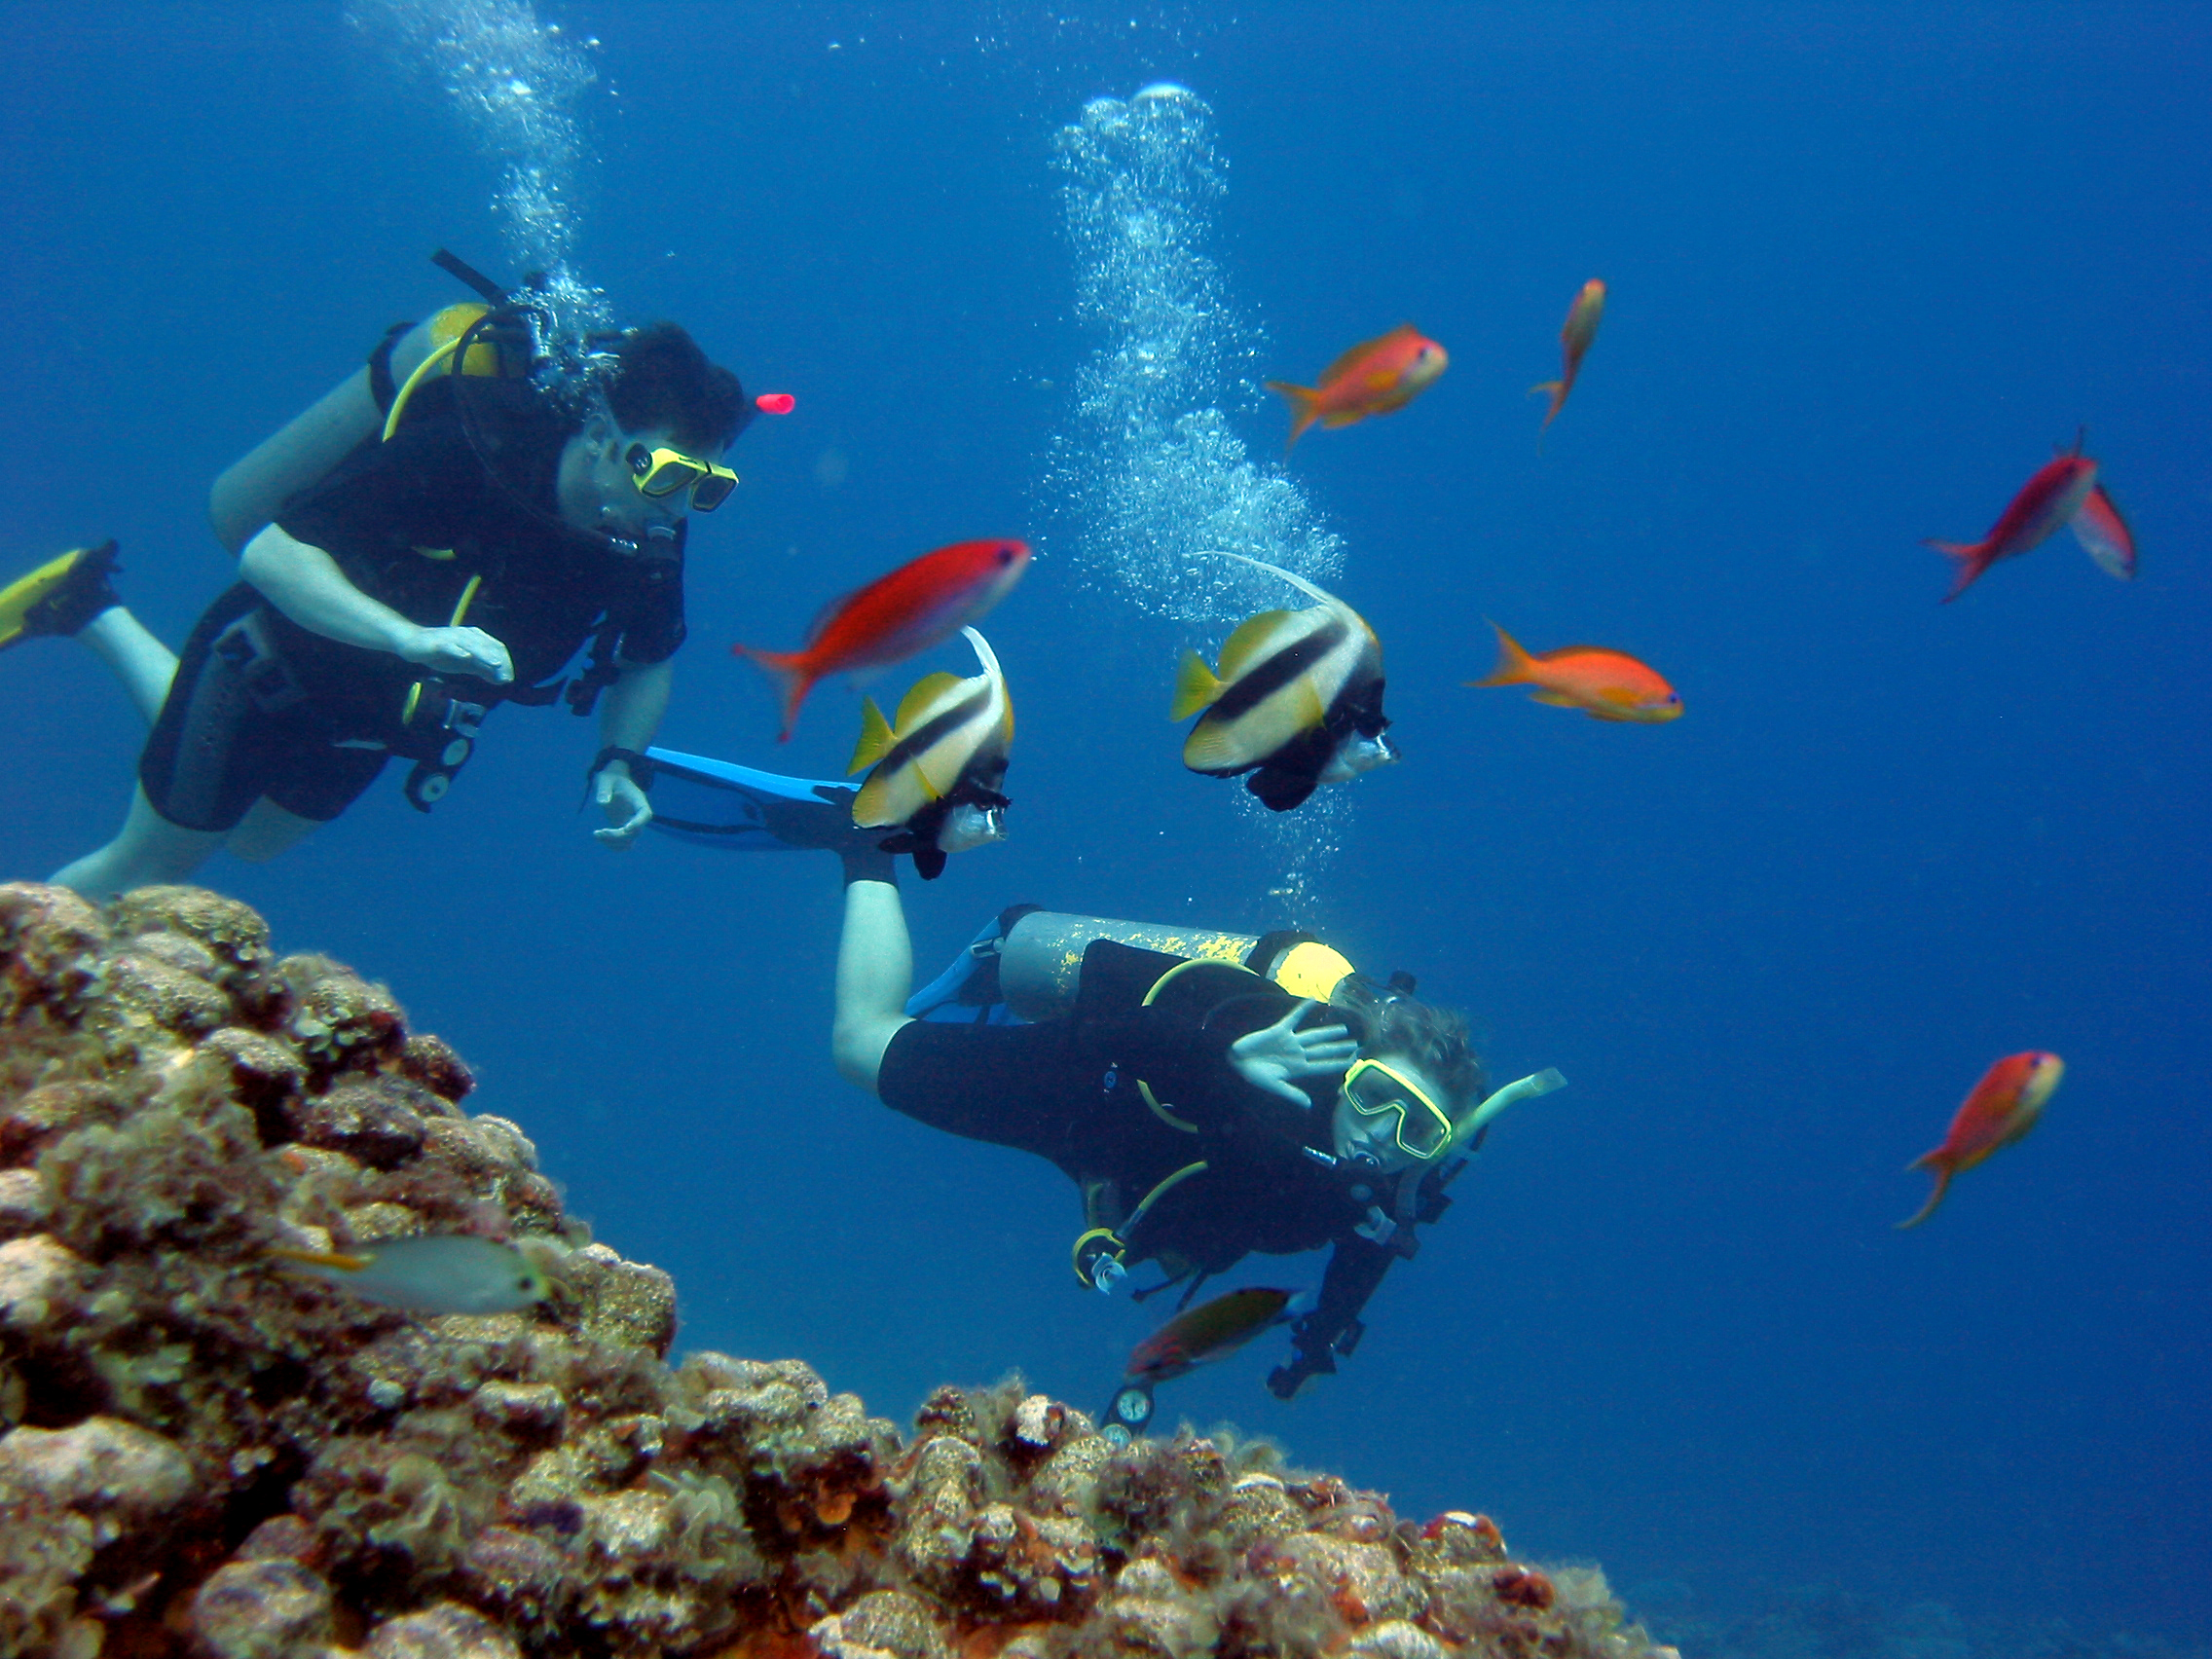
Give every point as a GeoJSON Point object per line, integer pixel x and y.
{"type": "Point", "coordinates": [1269, 1057]}
{"type": "Point", "coordinates": [615, 792]}
{"type": "Point", "coordinates": [458, 650]}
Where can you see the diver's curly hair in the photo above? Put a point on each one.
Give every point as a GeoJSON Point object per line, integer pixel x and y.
{"type": "Point", "coordinates": [1394, 1025]}
{"type": "Point", "coordinates": [664, 379]}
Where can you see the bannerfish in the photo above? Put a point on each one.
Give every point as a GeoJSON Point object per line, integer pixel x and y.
{"type": "Point", "coordinates": [1297, 700]}
{"type": "Point", "coordinates": [1373, 377]}
{"type": "Point", "coordinates": [2104, 534]}
{"type": "Point", "coordinates": [1605, 685]}
{"type": "Point", "coordinates": [920, 603]}
{"type": "Point", "coordinates": [2053, 496]}
{"type": "Point", "coordinates": [2004, 1106]}
{"type": "Point", "coordinates": [1210, 1330]}
{"type": "Point", "coordinates": [438, 1272]}
{"type": "Point", "coordinates": [939, 767]}
{"type": "Point", "coordinates": [1582, 319]}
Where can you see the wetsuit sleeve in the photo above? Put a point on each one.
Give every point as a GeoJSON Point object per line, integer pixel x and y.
{"type": "Point", "coordinates": [1354, 1270]}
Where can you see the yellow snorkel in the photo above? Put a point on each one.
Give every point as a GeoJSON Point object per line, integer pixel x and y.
{"type": "Point", "coordinates": [1477, 1120]}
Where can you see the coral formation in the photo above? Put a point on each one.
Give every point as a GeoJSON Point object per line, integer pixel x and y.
{"type": "Point", "coordinates": [201, 1454]}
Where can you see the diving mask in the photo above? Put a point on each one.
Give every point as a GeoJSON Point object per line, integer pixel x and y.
{"type": "Point", "coordinates": [660, 472]}
{"type": "Point", "coordinates": [1374, 1088]}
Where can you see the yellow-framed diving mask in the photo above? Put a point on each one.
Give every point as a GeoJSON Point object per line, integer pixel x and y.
{"type": "Point", "coordinates": [1372, 1087]}
{"type": "Point", "coordinates": [660, 472]}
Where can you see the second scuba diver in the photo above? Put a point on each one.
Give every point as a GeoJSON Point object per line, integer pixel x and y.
{"type": "Point", "coordinates": [1273, 1101]}
{"type": "Point", "coordinates": [440, 534]}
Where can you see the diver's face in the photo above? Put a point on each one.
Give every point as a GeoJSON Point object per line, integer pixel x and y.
{"type": "Point", "coordinates": [1370, 1139]}
{"type": "Point", "coordinates": [599, 491]}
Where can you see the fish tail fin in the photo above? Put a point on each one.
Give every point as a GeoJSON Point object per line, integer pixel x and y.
{"type": "Point", "coordinates": [1927, 1160]}
{"type": "Point", "coordinates": [1973, 557]}
{"type": "Point", "coordinates": [1556, 390]}
{"type": "Point", "coordinates": [1515, 666]}
{"type": "Point", "coordinates": [336, 1259]}
{"type": "Point", "coordinates": [1304, 408]}
{"type": "Point", "coordinates": [789, 670]}
{"type": "Point", "coordinates": [1196, 687]}
{"type": "Point", "coordinates": [875, 737]}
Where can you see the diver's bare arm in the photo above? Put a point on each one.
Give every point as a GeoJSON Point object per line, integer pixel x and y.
{"type": "Point", "coordinates": [875, 968]}
{"type": "Point", "coordinates": [630, 713]}
{"type": "Point", "coordinates": [307, 585]}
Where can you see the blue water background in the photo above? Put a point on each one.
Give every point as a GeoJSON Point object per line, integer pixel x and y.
{"type": "Point", "coordinates": [1868, 264]}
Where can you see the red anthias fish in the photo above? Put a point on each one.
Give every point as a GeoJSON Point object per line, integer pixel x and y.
{"type": "Point", "coordinates": [2104, 534]}
{"type": "Point", "coordinates": [2048, 501]}
{"type": "Point", "coordinates": [1373, 377]}
{"type": "Point", "coordinates": [1582, 319]}
{"type": "Point", "coordinates": [917, 606]}
{"type": "Point", "coordinates": [2003, 1107]}
{"type": "Point", "coordinates": [1211, 1330]}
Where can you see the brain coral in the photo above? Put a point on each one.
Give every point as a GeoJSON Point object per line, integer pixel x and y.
{"type": "Point", "coordinates": [199, 1456]}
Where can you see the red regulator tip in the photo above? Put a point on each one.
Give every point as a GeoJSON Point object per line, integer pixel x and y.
{"type": "Point", "coordinates": [775, 403]}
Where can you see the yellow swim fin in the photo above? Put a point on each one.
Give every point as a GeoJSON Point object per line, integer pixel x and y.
{"type": "Point", "coordinates": [59, 597]}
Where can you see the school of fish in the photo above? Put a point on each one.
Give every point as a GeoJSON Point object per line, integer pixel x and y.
{"type": "Point", "coordinates": [1294, 701]}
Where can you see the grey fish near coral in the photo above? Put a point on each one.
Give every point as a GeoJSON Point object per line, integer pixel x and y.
{"type": "Point", "coordinates": [446, 1272]}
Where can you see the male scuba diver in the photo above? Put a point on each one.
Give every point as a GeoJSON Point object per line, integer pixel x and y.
{"type": "Point", "coordinates": [440, 534]}
{"type": "Point", "coordinates": [1210, 1096]}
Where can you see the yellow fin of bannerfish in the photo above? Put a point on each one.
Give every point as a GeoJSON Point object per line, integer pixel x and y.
{"type": "Point", "coordinates": [1252, 637]}
{"type": "Point", "coordinates": [923, 692]}
{"type": "Point", "coordinates": [875, 737]}
{"type": "Point", "coordinates": [1312, 710]}
{"type": "Point", "coordinates": [1196, 687]}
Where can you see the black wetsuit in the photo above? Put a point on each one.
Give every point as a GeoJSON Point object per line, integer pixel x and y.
{"type": "Point", "coordinates": [1068, 1091]}
{"type": "Point", "coordinates": [261, 706]}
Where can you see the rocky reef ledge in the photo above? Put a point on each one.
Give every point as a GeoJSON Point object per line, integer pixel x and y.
{"type": "Point", "coordinates": [202, 1455]}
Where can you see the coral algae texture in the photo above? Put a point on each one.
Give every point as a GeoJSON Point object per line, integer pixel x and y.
{"type": "Point", "coordinates": [202, 1455]}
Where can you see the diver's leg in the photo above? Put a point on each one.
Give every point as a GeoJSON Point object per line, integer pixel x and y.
{"type": "Point", "coordinates": [147, 850]}
{"type": "Point", "coordinates": [875, 966]}
{"type": "Point", "coordinates": [142, 663]}
{"type": "Point", "coordinates": [267, 829]}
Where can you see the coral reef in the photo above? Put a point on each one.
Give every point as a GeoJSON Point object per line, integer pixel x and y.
{"type": "Point", "coordinates": [201, 1454]}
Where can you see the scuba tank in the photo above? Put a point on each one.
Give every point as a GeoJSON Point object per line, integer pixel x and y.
{"type": "Point", "coordinates": [1041, 957]}
{"type": "Point", "coordinates": [252, 489]}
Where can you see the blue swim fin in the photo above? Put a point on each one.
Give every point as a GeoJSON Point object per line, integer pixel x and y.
{"type": "Point", "coordinates": [719, 804]}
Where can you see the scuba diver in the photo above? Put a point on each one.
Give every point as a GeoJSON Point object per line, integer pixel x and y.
{"type": "Point", "coordinates": [440, 534]}
{"type": "Point", "coordinates": [1211, 1096]}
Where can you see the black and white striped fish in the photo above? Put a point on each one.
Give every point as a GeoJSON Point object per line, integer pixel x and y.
{"type": "Point", "coordinates": [1297, 700]}
{"type": "Point", "coordinates": [939, 767]}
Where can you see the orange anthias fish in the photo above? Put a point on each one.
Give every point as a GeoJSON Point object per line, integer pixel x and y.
{"type": "Point", "coordinates": [1582, 319]}
{"type": "Point", "coordinates": [1211, 1330]}
{"type": "Point", "coordinates": [913, 609]}
{"type": "Point", "coordinates": [1605, 685]}
{"type": "Point", "coordinates": [1373, 377]}
{"type": "Point", "coordinates": [2003, 1107]}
